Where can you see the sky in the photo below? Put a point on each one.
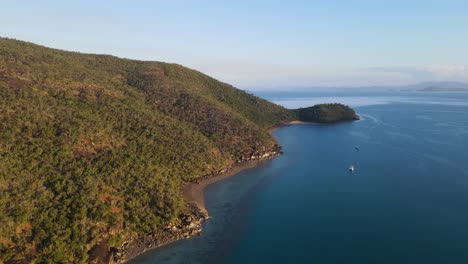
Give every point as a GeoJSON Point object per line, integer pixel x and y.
{"type": "Point", "coordinates": [262, 44]}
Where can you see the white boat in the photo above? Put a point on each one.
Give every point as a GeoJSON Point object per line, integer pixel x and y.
{"type": "Point", "coordinates": [351, 168]}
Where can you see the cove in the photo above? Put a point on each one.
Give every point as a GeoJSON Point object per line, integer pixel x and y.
{"type": "Point", "coordinates": [405, 203]}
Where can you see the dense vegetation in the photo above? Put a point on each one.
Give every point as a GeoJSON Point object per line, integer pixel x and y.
{"type": "Point", "coordinates": [326, 113]}
{"type": "Point", "coordinates": [95, 146]}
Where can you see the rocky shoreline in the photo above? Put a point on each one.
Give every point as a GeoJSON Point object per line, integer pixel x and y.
{"type": "Point", "coordinates": [195, 213]}
{"type": "Point", "coordinates": [191, 219]}
{"type": "Point", "coordinates": [189, 225]}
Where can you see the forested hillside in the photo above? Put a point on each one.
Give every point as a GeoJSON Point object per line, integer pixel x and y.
{"type": "Point", "coordinates": [95, 146]}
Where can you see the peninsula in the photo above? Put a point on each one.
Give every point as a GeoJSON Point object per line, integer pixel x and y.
{"type": "Point", "coordinates": [95, 150]}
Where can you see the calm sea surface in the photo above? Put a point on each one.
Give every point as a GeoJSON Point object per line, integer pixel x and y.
{"type": "Point", "coordinates": [406, 202]}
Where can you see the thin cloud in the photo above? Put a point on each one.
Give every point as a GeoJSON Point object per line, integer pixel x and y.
{"type": "Point", "coordinates": [248, 75]}
{"type": "Point", "coordinates": [428, 73]}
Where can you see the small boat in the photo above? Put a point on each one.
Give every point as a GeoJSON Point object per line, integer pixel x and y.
{"type": "Point", "coordinates": [351, 168]}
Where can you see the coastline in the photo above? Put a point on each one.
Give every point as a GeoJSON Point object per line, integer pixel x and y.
{"type": "Point", "coordinates": [295, 122]}
{"type": "Point", "coordinates": [192, 218]}
{"type": "Point", "coordinates": [193, 191]}
{"type": "Point", "coordinates": [193, 194]}
{"type": "Point", "coordinates": [196, 212]}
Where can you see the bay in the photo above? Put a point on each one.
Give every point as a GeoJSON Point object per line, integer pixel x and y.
{"type": "Point", "coordinates": [406, 202]}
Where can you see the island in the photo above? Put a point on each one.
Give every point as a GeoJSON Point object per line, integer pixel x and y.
{"type": "Point", "coordinates": [326, 113]}
{"type": "Point", "coordinates": [98, 152]}
{"type": "Point", "coordinates": [444, 89]}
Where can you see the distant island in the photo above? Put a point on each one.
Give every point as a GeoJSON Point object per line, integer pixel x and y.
{"type": "Point", "coordinates": [440, 86]}
{"type": "Point", "coordinates": [95, 150]}
{"type": "Point", "coordinates": [442, 89]}
{"type": "Point", "coordinates": [326, 113]}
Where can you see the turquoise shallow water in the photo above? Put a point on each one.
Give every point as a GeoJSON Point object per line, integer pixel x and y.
{"type": "Point", "coordinates": [407, 201]}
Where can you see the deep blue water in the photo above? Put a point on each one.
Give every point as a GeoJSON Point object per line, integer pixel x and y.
{"type": "Point", "coordinates": [407, 201]}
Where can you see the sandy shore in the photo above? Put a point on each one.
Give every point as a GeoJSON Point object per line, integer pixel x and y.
{"type": "Point", "coordinates": [193, 192]}
{"type": "Point", "coordinates": [271, 130]}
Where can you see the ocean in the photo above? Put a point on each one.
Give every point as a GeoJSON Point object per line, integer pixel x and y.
{"type": "Point", "coordinates": [406, 202]}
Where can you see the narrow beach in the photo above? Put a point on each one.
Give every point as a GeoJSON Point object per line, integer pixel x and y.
{"type": "Point", "coordinates": [193, 192]}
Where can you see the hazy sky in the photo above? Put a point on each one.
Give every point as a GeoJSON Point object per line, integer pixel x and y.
{"type": "Point", "coordinates": [262, 44]}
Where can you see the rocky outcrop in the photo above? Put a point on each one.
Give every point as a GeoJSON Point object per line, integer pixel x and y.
{"type": "Point", "coordinates": [247, 156]}
{"type": "Point", "coordinates": [262, 154]}
{"type": "Point", "coordinates": [188, 226]}
{"type": "Point", "coordinates": [189, 223]}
